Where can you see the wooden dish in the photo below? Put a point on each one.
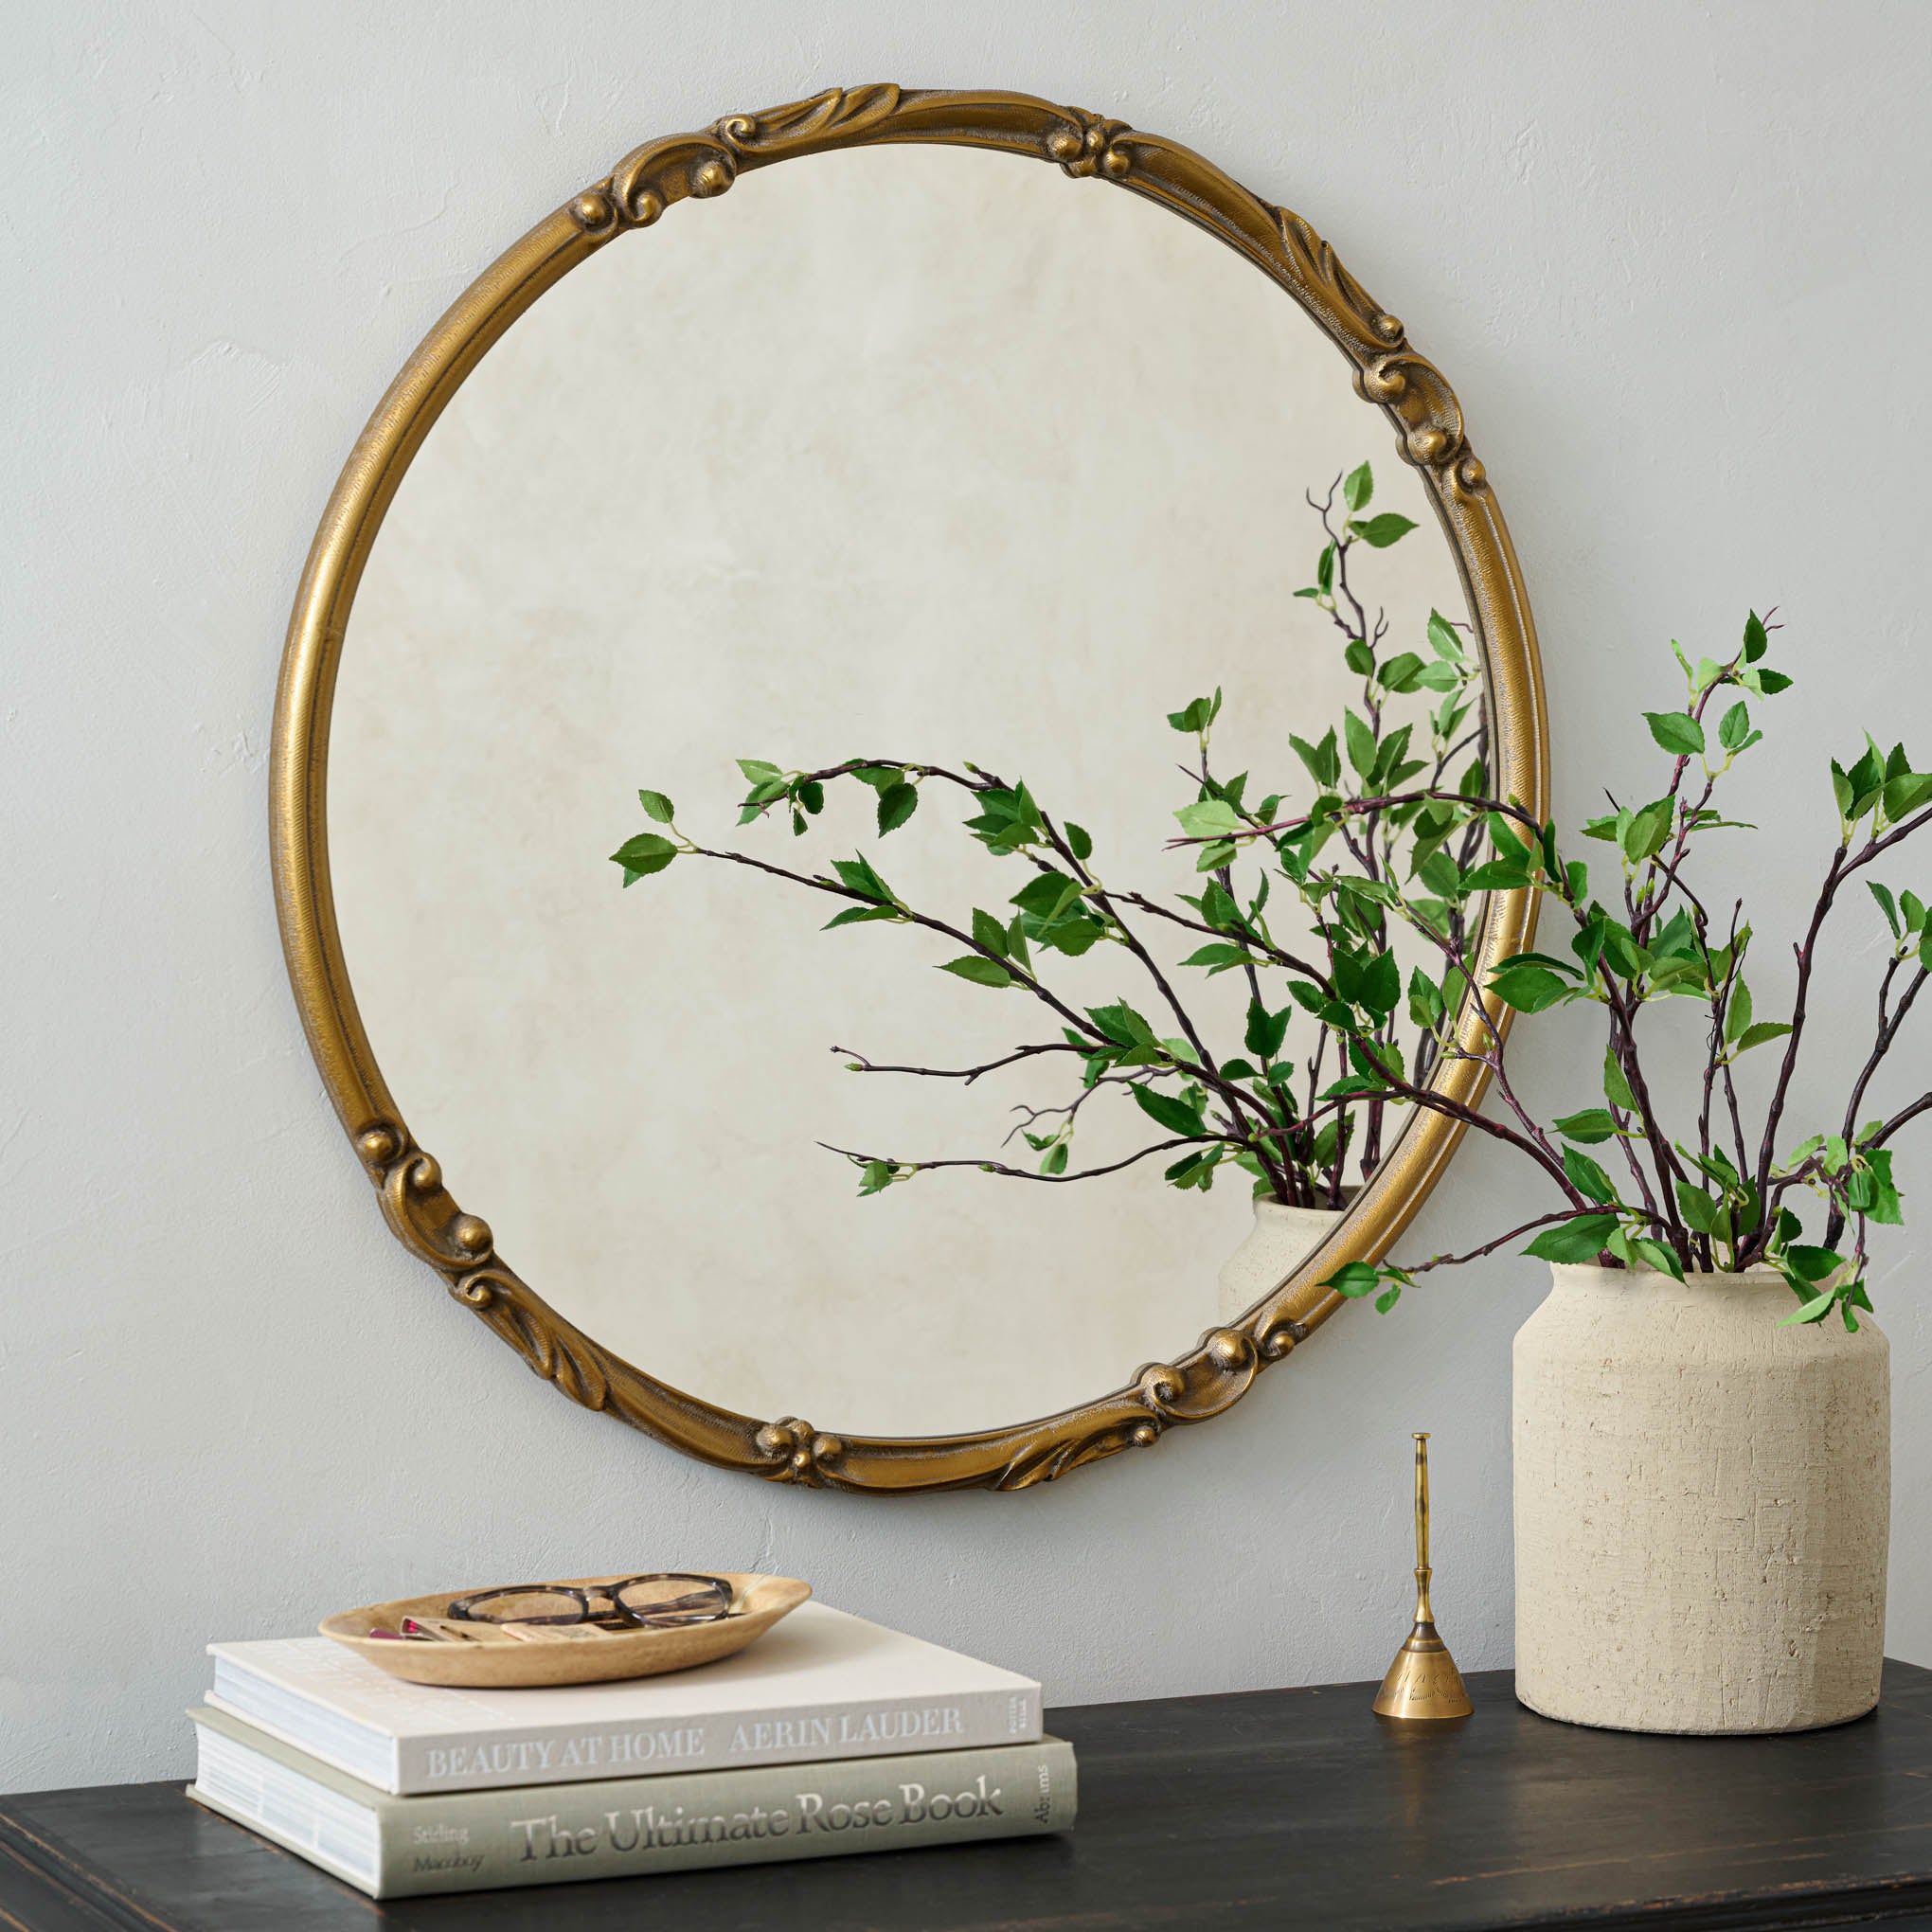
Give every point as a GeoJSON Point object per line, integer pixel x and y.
{"type": "Point", "coordinates": [495, 1661]}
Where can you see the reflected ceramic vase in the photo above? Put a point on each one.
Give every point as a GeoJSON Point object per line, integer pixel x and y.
{"type": "Point", "coordinates": [1703, 1503]}
{"type": "Point", "coordinates": [1281, 1239]}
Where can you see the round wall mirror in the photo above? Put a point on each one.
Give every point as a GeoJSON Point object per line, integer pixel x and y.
{"type": "Point", "coordinates": [753, 748]}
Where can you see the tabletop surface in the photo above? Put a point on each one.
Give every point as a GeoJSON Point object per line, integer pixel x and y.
{"type": "Point", "coordinates": [1279, 1808]}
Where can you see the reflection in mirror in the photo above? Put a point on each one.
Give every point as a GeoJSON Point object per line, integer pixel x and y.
{"type": "Point", "coordinates": [981, 576]}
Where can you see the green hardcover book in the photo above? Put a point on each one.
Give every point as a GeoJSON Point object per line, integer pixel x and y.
{"type": "Point", "coordinates": [390, 1847]}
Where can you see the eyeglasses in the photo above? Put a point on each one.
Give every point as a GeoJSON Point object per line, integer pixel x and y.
{"type": "Point", "coordinates": [666, 1599]}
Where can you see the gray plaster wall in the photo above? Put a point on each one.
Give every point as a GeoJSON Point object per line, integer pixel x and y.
{"type": "Point", "coordinates": [1673, 259]}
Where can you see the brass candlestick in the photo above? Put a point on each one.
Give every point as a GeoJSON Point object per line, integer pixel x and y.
{"type": "Point", "coordinates": [1423, 1685]}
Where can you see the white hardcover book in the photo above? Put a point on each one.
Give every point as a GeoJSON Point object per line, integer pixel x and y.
{"type": "Point", "coordinates": [469, 1841]}
{"type": "Point", "coordinates": [822, 1685]}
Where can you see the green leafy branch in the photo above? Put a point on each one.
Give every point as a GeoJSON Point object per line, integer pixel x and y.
{"type": "Point", "coordinates": [1292, 1124]}
{"type": "Point", "coordinates": [1687, 1203]}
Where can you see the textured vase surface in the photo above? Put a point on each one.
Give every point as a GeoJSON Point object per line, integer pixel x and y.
{"type": "Point", "coordinates": [1702, 1504]}
{"type": "Point", "coordinates": [1281, 1239]}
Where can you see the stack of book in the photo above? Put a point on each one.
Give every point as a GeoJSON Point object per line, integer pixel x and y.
{"type": "Point", "coordinates": [830, 1734]}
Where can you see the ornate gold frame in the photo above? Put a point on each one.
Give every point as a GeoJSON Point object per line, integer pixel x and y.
{"type": "Point", "coordinates": [1428, 422]}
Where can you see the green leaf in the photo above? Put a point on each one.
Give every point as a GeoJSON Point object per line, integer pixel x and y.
{"type": "Point", "coordinates": [1811, 1264]}
{"type": "Point", "coordinates": [1169, 1111]}
{"type": "Point", "coordinates": [1864, 782]}
{"type": "Point", "coordinates": [1504, 839]}
{"type": "Point", "coordinates": [1615, 1087]}
{"type": "Point", "coordinates": [897, 803]}
{"type": "Point", "coordinates": [1676, 731]}
{"type": "Point", "coordinates": [1648, 832]}
{"type": "Point", "coordinates": [1812, 1311]}
{"type": "Point", "coordinates": [1529, 988]}
{"type": "Point", "coordinates": [1122, 1025]}
{"type": "Point", "coordinates": [1323, 761]}
{"type": "Point", "coordinates": [1218, 908]}
{"type": "Point", "coordinates": [1265, 1030]}
{"type": "Point", "coordinates": [757, 771]}
{"type": "Point", "coordinates": [858, 915]}
{"type": "Point", "coordinates": [1885, 1207]}
{"type": "Point", "coordinates": [1762, 1031]}
{"type": "Point", "coordinates": [1735, 727]}
{"type": "Point", "coordinates": [1016, 940]}
{"type": "Point", "coordinates": [1072, 936]}
{"type": "Point", "coordinates": [1079, 842]}
{"type": "Point", "coordinates": [1678, 940]}
{"type": "Point", "coordinates": [1046, 897]}
{"type": "Point", "coordinates": [876, 1178]}
{"type": "Point", "coordinates": [1209, 818]}
{"type": "Point", "coordinates": [1586, 1177]}
{"type": "Point", "coordinates": [1592, 1126]}
{"type": "Point", "coordinates": [1737, 1014]}
{"type": "Point", "coordinates": [1055, 1162]}
{"type": "Point", "coordinates": [1771, 682]}
{"type": "Point", "coordinates": [980, 972]}
{"type": "Point", "coordinates": [1658, 1256]}
{"type": "Point", "coordinates": [1368, 1060]}
{"type": "Point", "coordinates": [656, 805]}
{"type": "Point", "coordinates": [1887, 904]}
{"type": "Point", "coordinates": [1401, 673]}
{"type": "Point", "coordinates": [989, 933]}
{"type": "Point", "coordinates": [643, 854]}
{"type": "Point", "coordinates": [1359, 488]}
{"type": "Point", "coordinates": [857, 876]}
{"type": "Point", "coordinates": [1325, 570]}
{"type": "Point", "coordinates": [1380, 988]}
{"type": "Point", "coordinates": [1218, 957]}
{"type": "Point", "coordinates": [1381, 531]}
{"type": "Point", "coordinates": [879, 776]}
{"type": "Point", "coordinates": [1197, 715]}
{"type": "Point", "coordinates": [1580, 1238]}
{"type": "Point", "coordinates": [1906, 794]}
{"type": "Point", "coordinates": [811, 795]}
{"type": "Point", "coordinates": [1755, 641]}
{"type": "Point", "coordinates": [1361, 742]}
{"type": "Point", "coordinates": [1443, 638]}
{"type": "Point", "coordinates": [1425, 1005]}
{"type": "Point", "coordinates": [1354, 1279]}
{"type": "Point", "coordinates": [1699, 1210]}
{"type": "Point", "coordinates": [1389, 1298]}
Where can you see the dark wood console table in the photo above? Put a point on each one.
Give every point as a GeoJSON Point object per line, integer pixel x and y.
{"type": "Point", "coordinates": [1277, 1808]}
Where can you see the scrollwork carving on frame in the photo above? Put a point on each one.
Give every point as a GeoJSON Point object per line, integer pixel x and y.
{"type": "Point", "coordinates": [1428, 421]}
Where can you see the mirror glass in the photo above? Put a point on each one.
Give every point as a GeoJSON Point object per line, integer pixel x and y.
{"type": "Point", "coordinates": [926, 458]}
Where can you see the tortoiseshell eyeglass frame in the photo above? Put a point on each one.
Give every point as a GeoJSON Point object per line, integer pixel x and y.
{"type": "Point", "coordinates": [708, 1601]}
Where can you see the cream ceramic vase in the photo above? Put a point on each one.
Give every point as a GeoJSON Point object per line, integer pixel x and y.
{"type": "Point", "coordinates": [1703, 1503]}
{"type": "Point", "coordinates": [1281, 1239]}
